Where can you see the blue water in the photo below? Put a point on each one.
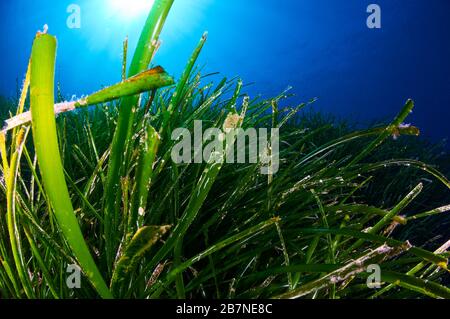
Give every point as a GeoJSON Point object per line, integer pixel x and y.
{"type": "Point", "coordinates": [323, 48]}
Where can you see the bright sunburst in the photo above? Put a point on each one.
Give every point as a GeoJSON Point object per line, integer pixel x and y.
{"type": "Point", "coordinates": [128, 9]}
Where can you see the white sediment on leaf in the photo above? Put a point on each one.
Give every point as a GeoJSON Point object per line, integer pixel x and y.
{"type": "Point", "coordinates": [64, 107]}
{"type": "Point", "coordinates": [45, 29]}
{"type": "Point", "coordinates": [443, 248]}
{"type": "Point", "coordinates": [25, 117]}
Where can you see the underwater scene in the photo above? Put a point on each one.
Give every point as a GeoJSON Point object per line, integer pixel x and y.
{"type": "Point", "coordinates": [221, 150]}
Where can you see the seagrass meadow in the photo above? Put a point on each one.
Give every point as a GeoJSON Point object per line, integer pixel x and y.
{"type": "Point", "coordinates": [350, 213]}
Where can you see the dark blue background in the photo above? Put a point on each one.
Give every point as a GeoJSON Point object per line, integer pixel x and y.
{"type": "Point", "coordinates": [322, 48]}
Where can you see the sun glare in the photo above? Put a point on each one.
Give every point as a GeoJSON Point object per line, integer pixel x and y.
{"type": "Point", "coordinates": [130, 8]}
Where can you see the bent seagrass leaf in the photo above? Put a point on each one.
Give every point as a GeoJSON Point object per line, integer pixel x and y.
{"type": "Point", "coordinates": [143, 82]}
